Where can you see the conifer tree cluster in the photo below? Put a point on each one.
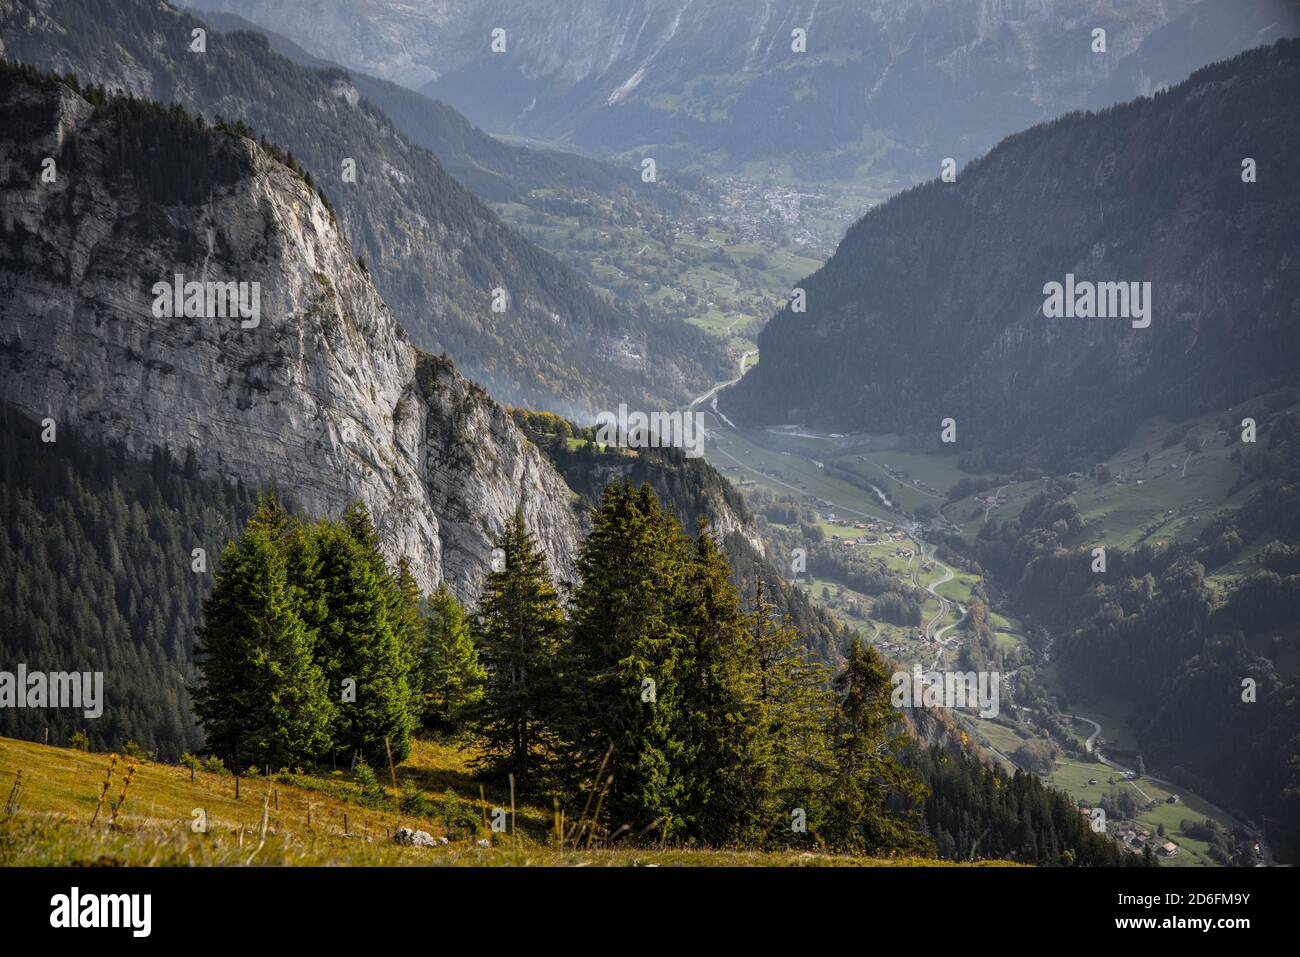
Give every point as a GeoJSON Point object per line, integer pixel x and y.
{"type": "Point", "coordinates": [308, 646]}
{"type": "Point", "coordinates": [691, 720]}
{"type": "Point", "coordinates": [648, 688]}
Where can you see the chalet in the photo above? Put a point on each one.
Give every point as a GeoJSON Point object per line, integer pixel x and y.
{"type": "Point", "coordinates": [1167, 849]}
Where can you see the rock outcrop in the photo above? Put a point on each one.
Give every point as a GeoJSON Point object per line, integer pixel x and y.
{"type": "Point", "coordinates": [324, 396]}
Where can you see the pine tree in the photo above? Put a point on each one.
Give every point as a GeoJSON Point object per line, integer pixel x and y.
{"type": "Point", "coordinates": [874, 801]}
{"type": "Point", "coordinates": [452, 677]}
{"type": "Point", "coordinates": [625, 655]}
{"type": "Point", "coordinates": [796, 707]}
{"type": "Point", "coordinates": [362, 641]}
{"type": "Point", "coordinates": [405, 612]}
{"type": "Point", "coordinates": [518, 629]}
{"type": "Point", "coordinates": [721, 714]}
{"type": "Point", "coordinates": [263, 699]}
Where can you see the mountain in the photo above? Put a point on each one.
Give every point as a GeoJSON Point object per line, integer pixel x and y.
{"type": "Point", "coordinates": [495, 171]}
{"type": "Point", "coordinates": [166, 421]}
{"type": "Point", "coordinates": [934, 304]}
{"type": "Point", "coordinates": [324, 397]}
{"type": "Point", "coordinates": [885, 90]}
{"type": "Point", "coordinates": [1212, 30]}
{"type": "Point", "coordinates": [437, 252]}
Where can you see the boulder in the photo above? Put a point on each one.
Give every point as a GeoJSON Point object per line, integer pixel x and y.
{"type": "Point", "coordinates": [405, 835]}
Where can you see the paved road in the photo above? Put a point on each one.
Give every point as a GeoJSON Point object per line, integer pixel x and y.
{"type": "Point", "coordinates": [945, 605]}
{"type": "Point", "coordinates": [705, 396]}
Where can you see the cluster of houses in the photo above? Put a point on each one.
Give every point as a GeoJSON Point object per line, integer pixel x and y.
{"type": "Point", "coordinates": [874, 533]}
{"type": "Point", "coordinates": [1133, 838]}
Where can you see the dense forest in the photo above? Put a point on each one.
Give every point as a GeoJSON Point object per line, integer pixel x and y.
{"type": "Point", "coordinates": [977, 810]}
{"type": "Point", "coordinates": [99, 575]}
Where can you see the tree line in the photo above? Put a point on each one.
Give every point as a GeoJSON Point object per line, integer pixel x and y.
{"type": "Point", "coordinates": [646, 685]}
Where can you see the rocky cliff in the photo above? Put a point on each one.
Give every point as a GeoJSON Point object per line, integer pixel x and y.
{"type": "Point", "coordinates": [323, 395]}
{"type": "Point", "coordinates": [436, 252]}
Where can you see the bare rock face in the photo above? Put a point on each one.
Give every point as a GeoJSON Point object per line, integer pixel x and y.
{"type": "Point", "coordinates": [319, 392]}
{"type": "Point", "coordinates": [923, 79]}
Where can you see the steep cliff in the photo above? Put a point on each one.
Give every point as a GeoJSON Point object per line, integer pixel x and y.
{"type": "Point", "coordinates": [323, 395]}
{"type": "Point", "coordinates": [437, 253]}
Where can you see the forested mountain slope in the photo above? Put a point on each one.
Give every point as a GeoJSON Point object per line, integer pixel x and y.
{"type": "Point", "coordinates": [934, 304]}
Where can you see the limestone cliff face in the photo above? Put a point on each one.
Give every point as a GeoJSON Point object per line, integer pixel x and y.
{"type": "Point", "coordinates": [324, 397]}
{"type": "Point", "coordinates": [436, 252]}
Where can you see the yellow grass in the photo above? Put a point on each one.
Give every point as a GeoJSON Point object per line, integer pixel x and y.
{"type": "Point", "coordinates": [155, 824]}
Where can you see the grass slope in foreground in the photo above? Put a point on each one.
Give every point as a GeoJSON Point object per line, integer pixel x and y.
{"type": "Point", "coordinates": [298, 819]}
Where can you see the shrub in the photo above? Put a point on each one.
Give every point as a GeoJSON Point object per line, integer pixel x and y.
{"type": "Point", "coordinates": [364, 775]}
{"type": "Point", "coordinates": [414, 802]}
{"type": "Point", "coordinates": [135, 752]}
{"type": "Point", "coordinates": [214, 765]}
{"type": "Point", "coordinates": [456, 814]}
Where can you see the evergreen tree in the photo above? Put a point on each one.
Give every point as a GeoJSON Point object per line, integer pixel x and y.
{"type": "Point", "coordinates": [796, 707]}
{"type": "Point", "coordinates": [362, 641]}
{"type": "Point", "coordinates": [452, 677]}
{"type": "Point", "coordinates": [405, 611]}
{"type": "Point", "coordinates": [518, 629]}
{"type": "Point", "coordinates": [625, 655]}
{"type": "Point", "coordinates": [263, 698]}
{"type": "Point", "coordinates": [874, 801]}
{"type": "Point", "coordinates": [720, 712]}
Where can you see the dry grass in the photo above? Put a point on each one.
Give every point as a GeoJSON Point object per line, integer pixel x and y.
{"type": "Point", "coordinates": [153, 827]}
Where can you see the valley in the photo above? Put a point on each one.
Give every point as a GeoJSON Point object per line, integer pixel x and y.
{"type": "Point", "coordinates": [825, 472]}
{"type": "Point", "coordinates": [368, 460]}
{"type": "Point", "coordinates": [724, 270]}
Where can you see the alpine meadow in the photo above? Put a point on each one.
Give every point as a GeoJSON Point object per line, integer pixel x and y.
{"type": "Point", "coordinates": [748, 435]}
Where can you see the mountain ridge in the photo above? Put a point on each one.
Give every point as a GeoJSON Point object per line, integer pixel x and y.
{"type": "Point", "coordinates": [437, 252]}
{"type": "Point", "coordinates": [924, 312]}
{"type": "Point", "coordinates": [883, 91]}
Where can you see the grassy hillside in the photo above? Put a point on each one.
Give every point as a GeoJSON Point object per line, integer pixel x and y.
{"type": "Point", "coordinates": [296, 819]}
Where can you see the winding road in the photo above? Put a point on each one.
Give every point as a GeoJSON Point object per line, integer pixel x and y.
{"type": "Point", "coordinates": [705, 396]}
{"type": "Point", "coordinates": [945, 605]}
